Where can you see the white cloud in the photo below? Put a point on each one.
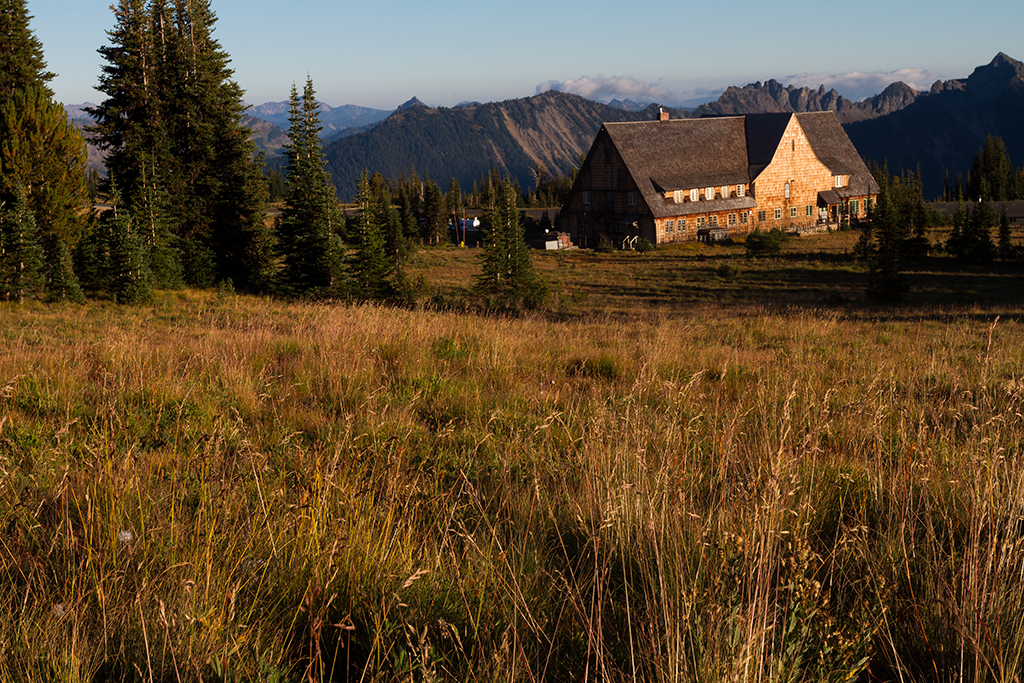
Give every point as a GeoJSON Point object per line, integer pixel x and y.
{"type": "Point", "coordinates": [609, 88]}
{"type": "Point", "coordinates": [857, 85]}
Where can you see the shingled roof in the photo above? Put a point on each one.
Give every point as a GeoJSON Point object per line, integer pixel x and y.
{"type": "Point", "coordinates": [683, 154]}
{"type": "Point", "coordinates": [833, 148]}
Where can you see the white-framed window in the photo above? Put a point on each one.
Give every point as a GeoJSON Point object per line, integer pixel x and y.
{"type": "Point", "coordinates": [789, 189]}
{"type": "Point", "coordinates": [586, 197]}
{"type": "Point", "coordinates": [694, 195]}
{"type": "Point", "coordinates": [682, 225]}
{"type": "Point", "coordinates": [631, 198]}
{"type": "Point", "coordinates": [732, 219]}
{"type": "Point", "coordinates": [743, 217]}
{"type": "Point", "coordinates": [709, 193]}
{"type": "Point", "coordinates": [713, 221]}
{"type": "Point", "coordinates": [839, 181]}
{"type": "Point", "coordinates": [700, 222]}
{"type": "Point", "coordinates": [677, 196]}
{"type": "Point", "coordinates": [778, 214]}
{"type": "Point", "coordinates": [670, 225]}
{"type": "Point", "coordinates": [762, 216]}
{"type": "Point", "coordinates": [792, 212]}
{"type": "Point", "coordinates": [741, 190]}
{"type": "Point", "coordinates": [725, 192]}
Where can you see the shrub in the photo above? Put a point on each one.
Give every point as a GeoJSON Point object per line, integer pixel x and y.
{"type": "Point", "coordinates": [760, 243]}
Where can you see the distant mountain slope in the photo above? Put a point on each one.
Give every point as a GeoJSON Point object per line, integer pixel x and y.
{"type": "Point", "coordinates": [772, 96]}
{"type": "Point", "coordinates": [945, 128]}
{"type": "Point", "coordinates": [552, 129]}
{"type": "Point", "coordinates": [333, 119]}
{"type": "Point", "coordinates": [269, 139]}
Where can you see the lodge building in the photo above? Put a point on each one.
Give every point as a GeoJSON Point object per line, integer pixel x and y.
{"type": "Point", "coordinates": [676, 180]}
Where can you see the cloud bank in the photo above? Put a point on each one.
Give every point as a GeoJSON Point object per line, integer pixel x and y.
{"type": "Point", "coordinates": [857, 85]}
{"type": "Point", "coordinates": [605, 89]}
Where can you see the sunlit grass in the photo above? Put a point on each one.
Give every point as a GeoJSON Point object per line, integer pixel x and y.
{"type": "Point", "coordinates": [231, 488]}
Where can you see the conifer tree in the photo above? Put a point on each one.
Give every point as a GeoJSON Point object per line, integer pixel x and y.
{"type": "Point", "coordinates": [21, 257]}
{"type": "Point", "coordinates": [1006, 250]}
{"type": "Point", "coordinates": [21, 54]}
{"type": "Point", "coordinates": [889, 231]}
{"type": "Point", "coordinates": [41, 153]}
{"type": "Point", "coordinates": [307, 240]}
{"type": "Point", "coordinates": [128, 278]}
{"type": "Point", "coordinates": [508, 280]}
{"type": "Point", "coordinates": [172, 115]}
{"type": "Point", "coordinates": [434, 213]}
{"type": "Point", "coordinates": [368, 263]}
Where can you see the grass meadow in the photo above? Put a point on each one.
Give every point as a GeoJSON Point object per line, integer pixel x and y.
{"type": "Point", "coordinates": [695, 468]}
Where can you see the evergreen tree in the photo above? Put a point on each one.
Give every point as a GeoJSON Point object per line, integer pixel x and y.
{"type": "Point", "coordinates": [172, 115]}
{"type": "Point", "coordinates": [62, 283]}
{"type": "Point", "coordinates": [307, 228]}
{"type": "Point", "coordinates": [21, 257]}
{"type": "Point", "coordinates": [453, 201]}
{"type": "Point", "coordinates": [1006, 250]}
{"type": "Point", "coordinates": [368, 263]}
{"type": "Point", "coordinates": [128, 278]}
{"type": "Point", "coordinates": [42, 152]}
{"type": "Point", "coordinates": [992, 176]}
{"type": "Point", "coordinates": [435, 213]}
{"type": "Point", "coordinates": [889, 231]}
{"type": "Point", "coordinates": [21, 54]}
{"type": "Point", "coordinates": [508, 280]}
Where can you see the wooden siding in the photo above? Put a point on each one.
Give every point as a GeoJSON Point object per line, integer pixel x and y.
{"type": "Point", "coordinates": [780, 151]}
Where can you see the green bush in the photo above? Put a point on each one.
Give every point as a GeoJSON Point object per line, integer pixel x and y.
{"type": "Point", "coordinates": [760, 243]}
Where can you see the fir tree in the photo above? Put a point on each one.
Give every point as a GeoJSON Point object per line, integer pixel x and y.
{"type": "Point", "coordinates": [1006, 250]}
{"type": "Point", "coordinates": [508, 280]}
{"type": "Point", "coordinates": [21, 54]}
{"type": "Point", "coordinates": [368, 263]}
{"type": "Point", "coordinates": [21, 257]}
{"type": "Point", "coordinates": [172, 115]}
{"type": "Point", "coordinates": [62, 283]}
{"type": "Point", "coordinates": [889, 231]}
{"type": "Point", "coordinates": [308, 244]}
{"type": "Point", "coordinates": [434, 213]}
{"type": "Point", "coordinates": [128, 278]}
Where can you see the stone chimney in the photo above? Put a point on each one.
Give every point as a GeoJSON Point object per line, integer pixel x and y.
{"type": "Point", "coordinates": [662, 114]}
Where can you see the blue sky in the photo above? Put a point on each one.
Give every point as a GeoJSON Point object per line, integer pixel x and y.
{"type": "Point", "coordinates": [379, 54]}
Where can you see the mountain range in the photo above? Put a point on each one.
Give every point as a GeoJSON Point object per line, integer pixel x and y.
{"type": "Point", "coordinates": [936, 131]}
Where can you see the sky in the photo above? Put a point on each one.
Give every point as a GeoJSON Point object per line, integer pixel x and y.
{"type": "Point", "coordinates": [381, 53]}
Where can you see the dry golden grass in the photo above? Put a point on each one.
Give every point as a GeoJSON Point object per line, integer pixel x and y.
{"type": "Point", "coordinates": [230, 488]}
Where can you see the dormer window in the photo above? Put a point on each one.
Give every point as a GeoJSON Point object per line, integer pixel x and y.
{"type": "Point", "coordinates": [694, 195]}
{"type": "Point", "coordinates": [839, 181]}
{"type": "Point", "coordinates": [709, 193]}
{"type": "Point", "coordinates": [741, 190]}
{"type": "Point", "coordinates": [677, 196]}
{"type": "Point", "coordinates": [725, 192]}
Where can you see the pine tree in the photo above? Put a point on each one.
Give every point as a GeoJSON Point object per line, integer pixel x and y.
{"type": "Point", "coordinates": [1006, 250]}
{"type": "Point", "coordinates": [308, 244]}
{"type": "Point", "coordinates": [434, 213]}
{"type": "Point", "coordinates": [21, 54]}
{"type": "Point", "coordinates": [21, 257]}
{"type": "Point", "coordinates": [889, 230]}
{"type": "Point", "coordinates": [368, 263]}
{"type": "Point", "coordinates": [508, 280]}
{"type": "Point", "coordinates": [41, 153]}
{"type": "Point", "coordinates": [129, 280]}
{"type": "Point", "coordinates": [172, 115]}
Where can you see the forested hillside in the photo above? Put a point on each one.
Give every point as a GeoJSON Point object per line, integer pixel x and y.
{"type": "Point", "coordinates": [552, 129]}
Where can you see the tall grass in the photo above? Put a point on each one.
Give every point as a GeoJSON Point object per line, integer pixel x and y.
{"type": "Point", "coordinates": [226, 488]}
